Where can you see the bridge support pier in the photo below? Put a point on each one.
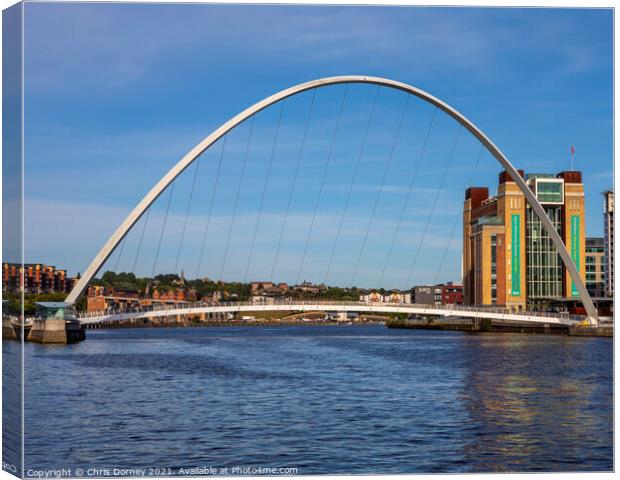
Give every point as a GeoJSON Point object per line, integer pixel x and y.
{"type": "Point", "coordinates": [8, 331]}
{"type": "Point", "coordinates": [56, 330]}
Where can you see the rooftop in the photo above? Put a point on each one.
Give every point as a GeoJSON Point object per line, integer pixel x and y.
{"type": "Point", "coordinates": [539, 175]}
{"type": "Point", "coordinates": [595, 241]}
{"type": "Point", "coordinates": [53, 304]}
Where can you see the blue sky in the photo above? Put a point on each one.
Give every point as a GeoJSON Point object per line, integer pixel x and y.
{"type": "Point", "coordinates": [118, 93]}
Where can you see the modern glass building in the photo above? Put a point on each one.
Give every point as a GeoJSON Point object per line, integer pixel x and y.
{"type": "Point", "coordinates": [595, 266]}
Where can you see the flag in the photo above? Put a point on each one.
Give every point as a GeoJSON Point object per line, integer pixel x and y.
{"type": "Point", "coordinates": [572, 150]}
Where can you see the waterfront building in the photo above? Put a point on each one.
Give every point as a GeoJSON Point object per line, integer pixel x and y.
{"type": "Point", "coordinates": [267, 293]}
{"type": "Point", "coordinates": [595, 266]}
{"type": "Point", "coordinates": [426, 294]}
{"type": "Point", "coordinates": [174, 295]}
{"type": "Point", "coordinates": [508, 257]}
{"type": "Point", "coordinates": [37, 278]}
{"type": "Point", "coordinates": [100, 298]}
{"type": "Point", "coordinates": [450, 293]}
{"type": "Point", "coordinates": [395, 296]}
{"type": "Point", "coordinates": [609, 241]}
{"type": "Point", "coordinates": [372, 297]}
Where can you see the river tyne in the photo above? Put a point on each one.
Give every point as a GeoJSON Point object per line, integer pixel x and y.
{"type": "Point", "coordinates": [319, 399]}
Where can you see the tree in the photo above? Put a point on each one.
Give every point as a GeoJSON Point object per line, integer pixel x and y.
{"type": "Point", "coordinates": [108, 277]}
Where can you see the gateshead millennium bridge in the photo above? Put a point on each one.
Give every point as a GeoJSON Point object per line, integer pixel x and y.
{"type": "Point", "coordinates": [168, 179]}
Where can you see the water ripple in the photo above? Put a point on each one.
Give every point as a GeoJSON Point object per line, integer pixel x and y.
{"type": "Point", "coordinates": [351, 399]}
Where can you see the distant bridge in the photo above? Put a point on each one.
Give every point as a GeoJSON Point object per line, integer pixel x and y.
{"type": "Point", "coordinates": [198, 309]}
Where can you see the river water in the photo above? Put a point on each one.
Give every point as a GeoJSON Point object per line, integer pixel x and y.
{"type": "Point", "coordinates": [328, 399]}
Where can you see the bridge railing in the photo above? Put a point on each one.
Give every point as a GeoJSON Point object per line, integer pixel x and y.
{"type": "Point", "coordinates": [337, 303]}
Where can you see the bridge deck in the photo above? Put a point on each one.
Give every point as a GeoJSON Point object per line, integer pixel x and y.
{"type": "Point", "coordinates": [357, 307]}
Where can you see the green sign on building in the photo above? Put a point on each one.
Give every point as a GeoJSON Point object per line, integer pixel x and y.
{"type": "Point", "coordinates": [516, 254]}
{"type": "Point", "coordinates": [574, 247]}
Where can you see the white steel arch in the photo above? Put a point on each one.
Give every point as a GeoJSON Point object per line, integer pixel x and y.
{"type": "Point", "coordinates": [193, 154]}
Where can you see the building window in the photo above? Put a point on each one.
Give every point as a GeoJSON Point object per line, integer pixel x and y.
{"type": "Point", "coordinates": [549, 192]}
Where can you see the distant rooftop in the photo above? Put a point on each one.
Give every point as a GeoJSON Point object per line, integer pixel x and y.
{"type": "Point", "coordinates": [490, 200]}
{"type": "Point", "coordinates": [539, 175]}
{"type": "Point", "coordinates": [53, 304]}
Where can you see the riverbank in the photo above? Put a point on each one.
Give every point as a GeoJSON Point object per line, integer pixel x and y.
{"type": "Point", "coordinates": [141, 323]}
{"type": "Point", "coordinates": [488, 325]}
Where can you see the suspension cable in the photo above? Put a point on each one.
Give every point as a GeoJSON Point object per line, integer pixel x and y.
{"type": "Point", "coordinates": [437, 193]}
{"type": "Point", "coordinates": [189, 204]}
{"type": "Point", "coordinates": [120, 252]}
{"type": "Point", "coordinates": [407, 197]}
{"type": "Point", "coordinates": [292, 190]}
{"type": "Point", "coordinates": [234, 215]}
{"type": "Point", "coordinates": [325, 169]}
{"type": "Point", "coordinates": [263, 195]}
{"type": "Point", "coordinates": [353, 179]}
{"type": "Point", "coordinates": [378, 196]}
{"type": "Point", "coordinates": [163, 228]}
{"type": "Point", "coordinates": [456, 219]}
{"type": "Point", "coordinates": [211, 203]}
{"type": "Point", "coordinates": [146, 221]}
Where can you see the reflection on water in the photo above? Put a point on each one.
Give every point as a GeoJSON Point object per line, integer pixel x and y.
{"type": "Point", "coordinates": [539, 400]}
{"type": "Point", "coordinates": [358, 399]}
{"type": "Point", "coordinates": [11, 406]}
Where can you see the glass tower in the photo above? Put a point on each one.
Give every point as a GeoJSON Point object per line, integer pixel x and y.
{"type": "Point", "coordinates": [544, 265]}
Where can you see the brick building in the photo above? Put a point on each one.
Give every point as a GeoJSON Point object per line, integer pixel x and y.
{"type": "Point", "coordinates": [101, 298]}
{"type": "Point", "coordinates": [451, 294]}
{"type": "Point", "coordinates": [508, 257]}
{"type": "Point", "coordinates": [38, 278]}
